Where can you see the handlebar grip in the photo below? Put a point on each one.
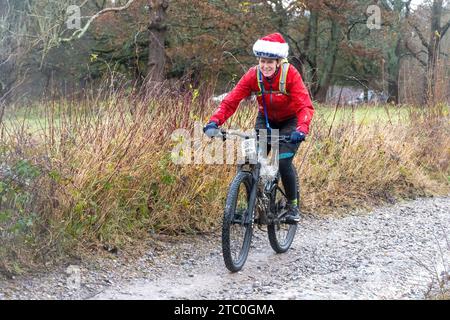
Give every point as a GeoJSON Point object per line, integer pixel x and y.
{"type": "Point", "coordinates": [223, 133]}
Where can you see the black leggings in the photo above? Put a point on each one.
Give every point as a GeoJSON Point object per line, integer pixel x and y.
{"type": "Point", "coordinates": [287, 152]}
{"type": "Point", "coordinates": [288, 177]}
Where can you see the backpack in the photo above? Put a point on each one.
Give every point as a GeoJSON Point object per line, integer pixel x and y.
{"type": "Point", "coordinates": [282, 85]}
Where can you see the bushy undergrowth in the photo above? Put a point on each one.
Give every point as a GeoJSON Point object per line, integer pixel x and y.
{"type": "Point", "coordinates": [90, 172]}
{"type": "Point", "coordinates": [348, 164]}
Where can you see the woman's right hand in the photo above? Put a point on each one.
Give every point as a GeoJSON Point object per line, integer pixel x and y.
{"type": "Point", "coordinates": [211, 129]}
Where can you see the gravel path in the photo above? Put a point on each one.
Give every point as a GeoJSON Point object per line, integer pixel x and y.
{"type": "Point", "coordinates": [393, 252]}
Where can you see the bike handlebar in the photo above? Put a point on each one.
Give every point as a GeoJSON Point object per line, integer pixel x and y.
{"type": "Point", "coordinates": [224, 133]}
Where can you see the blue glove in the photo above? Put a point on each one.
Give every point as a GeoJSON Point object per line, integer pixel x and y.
{"type": "Point", "coordinates": [211, 129]}
{"type": "Point", "coordinates": [297, 136]}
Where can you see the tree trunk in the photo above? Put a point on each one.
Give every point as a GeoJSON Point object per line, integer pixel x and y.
{"type": "Point", "coordinates": [366, 94]}
{"type": "Point", "coordinates": [330, 61]}
{"type": "Point", "coordinates": [393, 73]}
{"type": "Point", "coordinates": [433, 51]}
{"type": "Point", "coordinates": [311, 49]}
{"type": "Point", "coordinates": [157, 33]}
{"type": "Point", "coordinates": [393, 91]}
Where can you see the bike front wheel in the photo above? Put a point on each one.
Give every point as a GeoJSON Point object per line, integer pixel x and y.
{"type": "Point", "coordinates": [237, 226]}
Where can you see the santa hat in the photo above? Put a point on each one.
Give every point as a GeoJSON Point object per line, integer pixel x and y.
{"type": "Point", "coordinates": [271, 46]}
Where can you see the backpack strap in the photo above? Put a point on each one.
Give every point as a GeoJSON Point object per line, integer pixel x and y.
{"type": "Point", "coordinates": [283, 77]}
{"type": "Point", "coordinates": [259, 76]}
{"type": "Point", "coordinates": [282, 86]}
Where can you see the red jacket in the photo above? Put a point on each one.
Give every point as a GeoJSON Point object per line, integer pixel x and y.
{"type": "Point", "coordinates": [279, 106]}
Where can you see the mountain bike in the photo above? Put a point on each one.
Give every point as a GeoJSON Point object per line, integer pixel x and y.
{"type": "Point", "coordinates": [255, 197]}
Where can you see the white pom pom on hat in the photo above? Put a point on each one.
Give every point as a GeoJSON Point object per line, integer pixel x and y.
{"type": "Point", "coordinates": [271, 46]}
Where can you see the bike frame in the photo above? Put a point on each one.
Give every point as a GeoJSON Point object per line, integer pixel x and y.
{"type": "Point", "coordinates": [262, 206]}
{"type": "Point", "coordinates": [255, 169]}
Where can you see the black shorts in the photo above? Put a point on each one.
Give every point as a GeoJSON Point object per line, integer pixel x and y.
{"type": "Point", "coordinates": [286, 127]}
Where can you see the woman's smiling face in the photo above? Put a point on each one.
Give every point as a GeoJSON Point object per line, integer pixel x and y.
{"type": "Point", "coordinates": [268, 66]}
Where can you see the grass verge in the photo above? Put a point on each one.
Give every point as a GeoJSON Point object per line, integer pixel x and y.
{"type": "Point", "coordinates": [101, 172]}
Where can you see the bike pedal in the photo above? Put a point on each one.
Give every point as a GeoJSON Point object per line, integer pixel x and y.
{"type": "Point", "coordinates": [288, 221]}
{"type": "Point", "coordinates": [237, 219]}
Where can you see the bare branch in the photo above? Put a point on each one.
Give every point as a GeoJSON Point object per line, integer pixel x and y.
{"type": "Point", "coordinates": [445, 28]}
{"type": "Point", "coordinates": [415, 54]}
{"type": "Point", "coordinates": [79, 33]}
{"type": "Point", "coordinates": [419, 33]}
{"type": "Point", "coordinates": [6, 60]}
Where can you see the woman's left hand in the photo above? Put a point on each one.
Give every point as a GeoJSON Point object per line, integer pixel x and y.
{"type": "Point", "coordinates": [297, 136]}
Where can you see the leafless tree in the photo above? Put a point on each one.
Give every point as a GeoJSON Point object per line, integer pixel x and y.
{"type": "Point", "coordinates": [430, 46]}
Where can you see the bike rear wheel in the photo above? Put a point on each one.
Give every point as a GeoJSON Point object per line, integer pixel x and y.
{"type": "Point", "coordinates": [281, 235]}
{"type": "Point", "coordinates": [237, 226]}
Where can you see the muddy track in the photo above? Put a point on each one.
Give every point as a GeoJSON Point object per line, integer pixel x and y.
{"type": "Point", "coordinates": [393, 252]}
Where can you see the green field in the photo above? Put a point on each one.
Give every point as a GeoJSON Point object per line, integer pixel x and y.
{"type": "Point", "coordinates": [364, 114]}
{"type": "Point", "coordinates": [36, 119]}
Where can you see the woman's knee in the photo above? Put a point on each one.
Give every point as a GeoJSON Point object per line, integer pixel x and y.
{"type": "Point", "coordinates": [285, 164]}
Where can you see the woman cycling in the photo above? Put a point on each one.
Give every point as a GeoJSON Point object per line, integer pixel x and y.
{"type": "Point", "coordinates": [284, 104]}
